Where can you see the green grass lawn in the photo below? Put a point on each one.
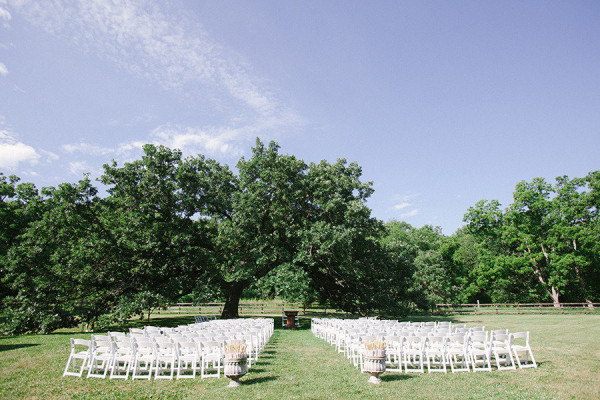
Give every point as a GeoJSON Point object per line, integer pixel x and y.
{"type": "Point", "coordinates": [296, 365]}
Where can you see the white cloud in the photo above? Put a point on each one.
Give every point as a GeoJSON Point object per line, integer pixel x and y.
{"type": "Point", "coordinates": [411, 213]}
{"type": "Point", "coordinates": [4, 14]}
{"type": "Point", "coordinates": [3, 69]}
{"type": "Point", "coordinates": [78, 167]}
{"type": "Point", "coordinates": [401, 206]}
{"type": "Point", "coordinates": [161, 47]}
{"type": "Point", "coordinates": [196, 140]}
{"type": "Point", "coordinates": [13, 152]}
{"type": "Point", "coordinates": [49, 156]}
{"type": "Point", "coordinates": [30, 173]}
{"type": "Point", "coordinates": [177, 54]}
{"type": "Point", "coordinates": [406, 197]}
{"type": "Point", "coordinates": [86, 148]}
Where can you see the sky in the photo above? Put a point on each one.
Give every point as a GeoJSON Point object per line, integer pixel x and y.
{"type": "Point", "coordinates": [441, 103]}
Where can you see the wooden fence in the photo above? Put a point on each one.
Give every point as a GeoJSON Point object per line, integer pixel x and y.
{"type": "Point", "coordinates": [244, 308]}
{"type": "Point", "coordinates": [273, 308]}
{"type": "Point", "coordinates": [518, 308]}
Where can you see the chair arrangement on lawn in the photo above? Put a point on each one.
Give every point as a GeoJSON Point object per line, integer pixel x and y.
{"type": "Point", "coordinates": [435, 346]}
{"type": "Point", "coordinates": [166, 353]}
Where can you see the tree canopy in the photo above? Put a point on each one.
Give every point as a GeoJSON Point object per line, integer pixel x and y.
{"type": "Point", "coordinates": [172, 226]}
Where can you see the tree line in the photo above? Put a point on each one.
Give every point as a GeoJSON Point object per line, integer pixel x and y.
{"type": "Point", "coordinates": [172, 228]}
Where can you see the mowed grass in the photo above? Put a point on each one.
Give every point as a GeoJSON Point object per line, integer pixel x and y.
{"type": "Point", "coordinates": [296, 365]}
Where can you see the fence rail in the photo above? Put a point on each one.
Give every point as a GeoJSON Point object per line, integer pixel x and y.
{"type": "Point", "coordinates": [272, 308]}
{"type": "Point", "coordinates": [244, 308]}
{"type": "Point", "coordinates": [518, 308]}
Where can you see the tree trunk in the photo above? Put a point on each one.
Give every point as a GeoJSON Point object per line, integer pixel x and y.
{"type": "Point", "coordinates": [234, 293]}
{"type": "Point", "coordinates": [555, 298]}
{"type": "Point", "coordinates": [552, 292]}
{"type": "Point", "coordinates": [582, 284]}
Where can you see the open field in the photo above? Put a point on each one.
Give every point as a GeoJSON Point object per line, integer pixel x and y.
{"type": "Point", "coordinates": [296, 365]}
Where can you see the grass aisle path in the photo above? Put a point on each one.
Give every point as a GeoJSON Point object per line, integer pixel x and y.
{"type": "Point", "coordinates": [297, 365]}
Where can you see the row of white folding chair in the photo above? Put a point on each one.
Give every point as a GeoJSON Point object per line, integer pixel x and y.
{"type": "Point", "coordinates": [204, 318]}
{"type": "Point", "coordinates": [251, 340]}
{"type": "Point", "coordinates": [255, 337]}
{"type": "Point", "coordinates": [457, 351]}
{"type": "Point", "coordinates": [95, 354]}
{"type": "Point", "coordinates": [142, 358]}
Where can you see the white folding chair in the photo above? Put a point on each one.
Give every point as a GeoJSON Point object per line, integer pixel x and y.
{"type": "Point", "coordinates": [137, 331]}
{"type": "Point", "coordinates": [435, 351]}
{"type": "Point", "coordinates": [123, 359]}
{"type": "Point", "coordinates": [458, 353]}
{"type": "Point", "coordinates": [166, 360]}
{"type": "Point", "coordinates": [413, 353]}
{"type": "Point", "coordinates": [144, 360]}
{"type": "Point", "coordinates": [81, 351]}
{"type": "Point", "coordinates": [394, 353]}
{"type": "Point", "coordinates": [520, 345]}
{"type": "Point", "coordinates": [480, 352]}
{"type": "Point", "coordinates": [502, 350]}
{"type": "Point", "coordinates": [211, 360]}
{"type": "Point", "coordinates": [103, 351]}
{"type": "Point", "coordinates": [188, 359]}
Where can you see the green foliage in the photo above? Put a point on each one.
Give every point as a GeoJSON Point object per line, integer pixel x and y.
{"type": "Point", "coordinates": [424, 269]}
{"type": "Point", "coordinates": [541, 247]}
{"type": "Point", "coordinates": [189, 228]}
{"type": "Point", "coordinates": [139, 303]}
{"type": "Point", "coordinates": [58, 271]}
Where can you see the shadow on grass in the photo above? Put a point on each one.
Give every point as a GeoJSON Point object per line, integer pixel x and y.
{"type": "Point", "coordinates": [542, 364]}
{"type": "Point", "coordinates": [396, 377]}
{"type": "Point", "coordinates": [253, 381]}
{"type": "Point", "coordinates": [6, 347]}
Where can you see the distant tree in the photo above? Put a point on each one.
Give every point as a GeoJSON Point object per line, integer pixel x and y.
{"type": "Point", "coordinates": [424, 268]}
{"type": "Point", "coordinates": [60, 271]}
{"type": "Point", "coordinates": [542, 245]}
{"type": "Point", "coordinates": [139, 303]}
{"type": "Point", "coordinates": [20, 204]}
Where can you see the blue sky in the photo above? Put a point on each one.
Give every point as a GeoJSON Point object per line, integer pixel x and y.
{"type": "Point", "coordinates": [441, 103]}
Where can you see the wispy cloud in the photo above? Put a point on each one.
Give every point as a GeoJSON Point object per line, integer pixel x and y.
{"type": "Point", "coordinates": [401, 206]}
{"type": "Point", "coordinates": [3, 69]}
{"type": "Point", "coordinates": [409, 214]}
{"type": "Point", "coordinates": [406, 202]}
{"type": "Point", "coordinates": [4, 14]}
{"type": "Point", "coordinates": [406, 197]}
{"type": "Point", "coordinates": [86, 148]}
{"type": "Point", "coordinates": [176, 54]}
{"type": "Point", "coordinates": [79, 167]}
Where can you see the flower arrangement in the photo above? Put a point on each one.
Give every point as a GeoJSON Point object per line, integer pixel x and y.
{"type": "Point", "coordinates": [375, 344]}
{"type": "Point", "coordinates": [236, 349]}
